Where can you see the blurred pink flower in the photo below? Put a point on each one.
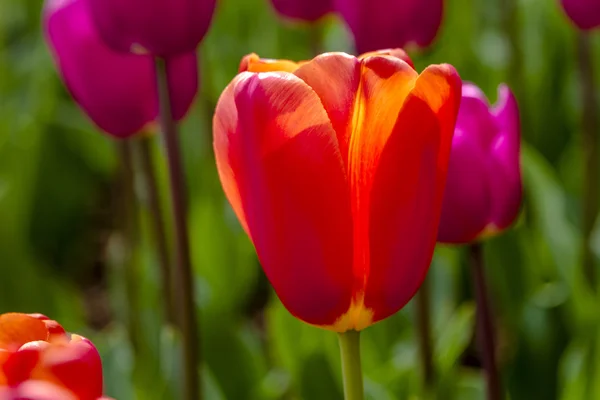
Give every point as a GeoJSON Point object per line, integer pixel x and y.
{"type": "Point", "coordinates": [483, 190]}
{"type": "Point", "coordinates": [160, 27]}
{"type": "Point", "coordinates": [117, 91]}
{"type": "Point", "coordinates": [584, 13]}
{"type": "Point", "coordinates": [380, 24]}
{"type": "Point", "coordinates": [304, 10]}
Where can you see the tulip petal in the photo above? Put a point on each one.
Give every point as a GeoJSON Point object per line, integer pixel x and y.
{"type": "Point", "coordinates": [253, 63]}
{"type": "Point", "coordinates": [398, 53]}
{"type": "Point", "coordinates": [467, 202]}
{"type": "Point", "coordinates": [17, 329]}
{"type": "Point", "coordinates": [408, 190]}
{"type": "Point", "coordinates": [335, 78]}
{"type": "Point", "coordinates": [281, 167]}
{"type": "Point", "coordinates": [76, 365]}
{"type": "Point", "coordinates": [302, 9]}
{"type": "Point", "coordinates": [506, 187]}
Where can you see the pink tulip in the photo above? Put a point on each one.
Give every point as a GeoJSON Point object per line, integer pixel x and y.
{"type": "Point", "coordinates": [584, 13]}
{"type": "Point", "coordinates": [304, 10]}
{"type": "Point", "coordinates": [160, 27]}
{"type": "Point", "coordinates": [380, 24]}
{"type": "Point", "coordinates": [117, 91]}
{"type": "Point", "coordinates": [483, 190]}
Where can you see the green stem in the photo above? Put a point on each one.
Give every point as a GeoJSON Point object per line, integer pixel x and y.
{"type": "Point", "coordinates": [589, 126]}
{"type": "Point", "coordinates": [315, 38]}
{"type": "Point", "coordinates": [485, 325]}
{"type": "Point", "coordinates": [128, 222]}
{"type": "Point", "coordinates": [184, 277]}
{"type": "Point", "coordinates": [351, 368]}
{"type": "Point", "coordinates": [424, 327]}
{"type": "Point", "coordinates": [148, 175]}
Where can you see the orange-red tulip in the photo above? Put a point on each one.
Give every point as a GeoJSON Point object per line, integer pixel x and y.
{"type": "Point", "coordinates": [39, 361]}
{"type": "Point", "coordinates": [336, 170]}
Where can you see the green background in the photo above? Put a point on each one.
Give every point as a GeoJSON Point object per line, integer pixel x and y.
{"type": "Point", "coordinates": [61, 252]}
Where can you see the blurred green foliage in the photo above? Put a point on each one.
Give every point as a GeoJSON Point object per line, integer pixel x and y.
{"type": "Point", "coordinates": [60, 248]}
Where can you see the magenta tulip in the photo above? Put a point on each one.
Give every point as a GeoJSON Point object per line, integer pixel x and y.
{"type": "Point", "coordinates": [584, 13]}
{"type": "Point", "coordinates": [303, 10]}
{"type": "Point", "coordinates": [160, 27]}
{"type": "Point", "coordinates": [117, 91]}
{"type": "Point", "coordinates": [483, 191]}
{"type": "Point", "coordinates": [380, 24]}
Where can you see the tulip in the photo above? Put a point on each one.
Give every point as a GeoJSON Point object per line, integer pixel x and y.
{"type": "Point", "coordinates": [483, 192]}
{"type": "Point", "coordinates": [584, 13]}
{"type": "Point", "coordinates": [378, 24]}
{"type": "Point", "coordinates": [304, 10]}
{"type": "Point", "coordinates": [336, 171]}
{"type": "Point", "coordinates": [117, 91]}
{"type": "Point", "coordinates": [163, 28]}
{"type": "Point", "coordinates": [38, 361]}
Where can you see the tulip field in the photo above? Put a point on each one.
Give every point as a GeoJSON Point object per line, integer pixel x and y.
{"type": "Point", "coordinates": [299, 199]}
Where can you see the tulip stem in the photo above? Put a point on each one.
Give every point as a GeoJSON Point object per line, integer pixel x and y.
{"type": "Point", "coordinates": [424, 328]}
{"type": "Point", "coordinates": [485, 325]}
{"type": "Point", "coordinates": [128, 221]}
{"type": "Point", "coordinates": [184, 277]}
{"type": "Point", "coordinates": [591, 153]}
{"type": "Point", "coordinates": [351, 368]}
{"type": "Point", "coordinates": [148, 176]}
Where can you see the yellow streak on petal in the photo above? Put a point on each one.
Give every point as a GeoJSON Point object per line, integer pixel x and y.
{"type": "Point", "coordinates": [357, 317]}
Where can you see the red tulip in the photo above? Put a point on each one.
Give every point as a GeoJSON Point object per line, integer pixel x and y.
{"type": "Point", "coordinates": [304, 10]}
{"type": "Point", "coordinates": [39, 361]}
{"type": "Point", "coordinates": [584, 13]}
{"type": "Point", "coordinates": [162, 28]}
{"type": "Point", "coordinates": [483, 192]}
{"type": "Point", "coordinates": [117, 91]}
{"type": "Point", "coordinates": [336, 171]}
{"type": "Point", "coordinates": [378, 24]}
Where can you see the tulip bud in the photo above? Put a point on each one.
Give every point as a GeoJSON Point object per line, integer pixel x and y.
{"type": "Point", "coordinates": [336, 169]}
{"type": "Point", "coordinates": [379, 24]}
{"type": "Point", "coordinates": [39, 361]}
{"type": "Point", "coordinates": [483, 191]}
{"type": "Point", "coordinates": [584, 13]}
{"type": "Point", "coordinates": [162, 28]}
{"type": "Point", "coordinates": [304, 10]}
{"type": "Point", "coordinates": [117, 91]}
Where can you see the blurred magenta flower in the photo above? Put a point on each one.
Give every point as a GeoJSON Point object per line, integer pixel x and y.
{"type": "Point", "coordinates": [379, 24]}
{"type": "Point", "coordinates": [304, 10]}
{"type": "Point", "coordinates": [483, 190]}
{"type": "Point", "coordinates": [117, 91]}
{"type": "Point", "coordinates": [584, 13]}
{"type": "Point", "coordinates": [160, 27]}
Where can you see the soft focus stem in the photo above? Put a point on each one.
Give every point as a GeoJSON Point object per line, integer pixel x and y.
{"type": "Point", "coordinates": [589, 126]}
{"type": "Point", "coordinates": [148, 176]}
{"type": "Point", "coordinates": [424, 329]}
{"type": "Point", "coordinates": [512, 30]}
{"type": "Point", "coordinates": [485, 324]}
{"type": "Point", "coordinates": [128, 223]}
{"type": "Point", "coordinates": [184, 278]}
{"type": "Point", "coordinates": [351, 368]}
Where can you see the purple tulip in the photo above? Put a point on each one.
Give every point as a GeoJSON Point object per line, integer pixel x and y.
{"type": "Point", "coordinates": [380, 24]}
{"type": "Point", "coordinates": [584, 13]}
{"type": "Point", "coordinates": [303, 10]}
{"type": "Point", "coordinates": [162, 28]}
{"type": "Point", "coordinates": [117, 91]}
{"type": "Point", "coordinates": [483, 188]}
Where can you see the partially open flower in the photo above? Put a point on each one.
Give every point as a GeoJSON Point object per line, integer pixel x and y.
{"type": "Point", "coordinates": [40, 361]}
{"type": "Point", "coordinates": [584, 13]}
{"type": "Point", "coordinates": [336, 168]}
{"type": "Point", "coordinates": [117, 91]}
{"type": "Point", "coordinates": [483, 191]}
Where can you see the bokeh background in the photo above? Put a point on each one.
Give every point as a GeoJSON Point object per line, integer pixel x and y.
{"type": "Point", "coordinates": [61, 247]}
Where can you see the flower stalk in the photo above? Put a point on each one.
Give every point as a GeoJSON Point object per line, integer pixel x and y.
{"type": "Point", "coordinates": [423, 303]}
{"type": "Point", "coordinates": [184, 278]}
{"type": "Point", "coordinates": [351, 367]}
{"type": "Point", "coordinates": [485, 324]}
